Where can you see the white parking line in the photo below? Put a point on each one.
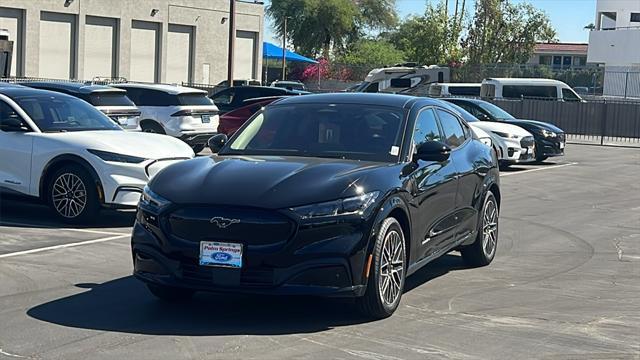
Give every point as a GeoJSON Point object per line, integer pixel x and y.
{"type": "Point", "coordinates": [47, 248]}
{"type": "Point", "coordinates": [537, 169]}
{"type": "Point", "coordinates": [88, 231]}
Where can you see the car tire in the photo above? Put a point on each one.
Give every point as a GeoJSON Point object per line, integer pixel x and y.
{"type": "Point", "coordinates": [151, 127]}
{"type": "Point", "coordinates": [197, 148]}
{"type": "Point", "coordinates": [387, 273]}
{"type": "Point", "coordinates": [483, 249]}
{"type": "Point", "coordinates": [170, 294]}
{"type": "Point", "coordinates": [73, 195]}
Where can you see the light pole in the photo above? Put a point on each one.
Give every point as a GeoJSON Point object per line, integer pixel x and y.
{"type": "Point", "coordinates": [284, 50]}
{"type": "Point", "coordinates": [232, 41]}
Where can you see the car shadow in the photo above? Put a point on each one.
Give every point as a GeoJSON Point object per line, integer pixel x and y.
{"type": "Point", "coordinates": [18, 211]}
{"type": "Point", "coordinates": [125, 305]}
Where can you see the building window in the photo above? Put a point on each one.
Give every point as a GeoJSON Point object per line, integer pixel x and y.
{"type": "Point", "coordinates": [545, 60]}
{"type": "Point", "coordinates": [635, 17]}
{"type": "Point", "coordinates": [579, 61]}
{"type": "Point", "coordinates": [607, 21]}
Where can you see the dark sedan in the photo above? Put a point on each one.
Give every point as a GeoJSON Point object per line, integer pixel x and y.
{"type": "Point", "coordinates": [333, 195]}
{"type": "Point", "coordinates": [550, 140]}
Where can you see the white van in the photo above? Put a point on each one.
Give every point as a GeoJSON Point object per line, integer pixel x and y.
{"type": "Point", "coordinates": [454, 89]}
{"type": "Point", "coordinates": [508, 88]}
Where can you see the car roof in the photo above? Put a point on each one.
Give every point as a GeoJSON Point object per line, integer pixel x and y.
{"type": "Point", "coordinates": [4, 84]}
{"type": "Point", "coordinates": [80, 88]}
{"type": "Point", "coordinates": [14, 92]}
{"type": "Point", "coordinates": [523, 81]}
{"type": "Point", "coordinates": [392, 100]}
{"type": "Point", "coordinates": [170, 89]}
{"type": "Point", "coordinates": [470, 100]}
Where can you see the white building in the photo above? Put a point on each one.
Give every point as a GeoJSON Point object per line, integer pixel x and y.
{"type": "Point", "coordinates": [615, 42]}
{"type": "Point", "coordinates": [143, 40]}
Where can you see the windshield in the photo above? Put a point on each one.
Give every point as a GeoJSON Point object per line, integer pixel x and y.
{"type": "Point", "coordinates": [347, 131]}
{"type": "Point", "coordinates": [495, 111]}
{"type": "Point", "coordinates": [194, 99]}
{"type": "Point", "coordinates": [110, 99]}
{"type": "Point", "coordinates": [53, 114]}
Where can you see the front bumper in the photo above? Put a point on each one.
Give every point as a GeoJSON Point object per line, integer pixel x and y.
{"type": "Point", "coordinates": [325, 260]}
{"type": "Point", "coordinates": [122, 183]}
{"type": "Point", "coordinates": [551, 146]}
{"type": "Point", "coordinates": [196, 138]}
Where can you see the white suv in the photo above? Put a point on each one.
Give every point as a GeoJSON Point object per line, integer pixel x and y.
{"type": "Point", "coordinates": [181, 112]}
{"type": "Point", "coordinates": [72, 156]}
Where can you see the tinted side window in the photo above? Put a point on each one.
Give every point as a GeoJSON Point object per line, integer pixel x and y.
{"type": "Point", "coordinates": [134, 95]}
{"type": "Point", "coordinates": [454, 135]}
{"type": "Point", "coordinates": [464, 90]}
{"type": "Point", "coordinates": [569, 95]}
{"type": "Point", "coordinates": [224, 97]}
{"type": "Point", "coordinates": [157, 98]}
{"type": "Point", "coordinates": [426, 128]}
{"type": "Point", "coordinates": [518, 91]}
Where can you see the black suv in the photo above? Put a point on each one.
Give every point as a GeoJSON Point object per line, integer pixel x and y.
{"type": "Point", "coordinates": [333, 194]}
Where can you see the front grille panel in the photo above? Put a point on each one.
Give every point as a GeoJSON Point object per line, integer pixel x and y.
{"type": "Point", "coordinates": [527, 142]}
{"type": "Point", "coordinates": [243, 225]}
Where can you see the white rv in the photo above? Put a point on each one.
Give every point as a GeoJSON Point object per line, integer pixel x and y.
{"type": "Point", "coordinates": [380, 79]}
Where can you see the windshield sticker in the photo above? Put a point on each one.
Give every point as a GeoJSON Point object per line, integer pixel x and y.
{"type": "Point", "coordinates": [394, 151]}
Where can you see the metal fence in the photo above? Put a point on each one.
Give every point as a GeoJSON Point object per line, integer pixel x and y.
{"type": "Point", "coordinates": [600, 121]}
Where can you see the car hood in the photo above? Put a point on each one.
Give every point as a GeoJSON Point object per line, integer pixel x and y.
{"type": "Point", "coordinates": [145, 145]}
{"type": "Point", "coordinates": [535, 125]}
{"type": "Point", "coordinates": [501, 127]}
{"type": "Point", "coordinates": [268, 181]}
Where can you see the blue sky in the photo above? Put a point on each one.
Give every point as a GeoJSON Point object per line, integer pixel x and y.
{"type": "Point", "coordinates": [567, 16]}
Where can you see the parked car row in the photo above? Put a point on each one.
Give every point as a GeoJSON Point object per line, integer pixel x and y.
{"type": "Point", "coordinates": [341, 194]}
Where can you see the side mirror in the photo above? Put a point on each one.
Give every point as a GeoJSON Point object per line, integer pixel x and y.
{"type": "Point", "coordinates": [11, 124]}
{"type": "Point", "coordinates": [432, 151]}
{"type": "Point", "coordinates": [216, 142]}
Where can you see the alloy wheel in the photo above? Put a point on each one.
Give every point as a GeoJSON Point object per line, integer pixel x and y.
{"type": "Point", "coordinates": [69, 195]}
{"type": "Point", "coordinates": [391, 268]}
{"type": "Point", "coordinates": [490, 228]}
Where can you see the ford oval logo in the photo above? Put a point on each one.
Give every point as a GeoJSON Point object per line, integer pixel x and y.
{"type": "Point", "coordinates": [220, 256]}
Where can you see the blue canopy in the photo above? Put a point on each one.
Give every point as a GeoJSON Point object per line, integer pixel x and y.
{"type": "Point", "coordinates": [271, 51]}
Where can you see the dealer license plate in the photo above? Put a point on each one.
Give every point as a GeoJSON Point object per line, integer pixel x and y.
{"type": "Point", "coordinates": [220, 254]}
{"type": "Point", "coordinates": [206, 119]}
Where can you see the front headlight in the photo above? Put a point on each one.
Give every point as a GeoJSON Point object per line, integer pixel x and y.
{"type": "Point", "coordinates": [547, 133]}
{"type": "Point", "coordinates": [356, 205]}
{"type": "Point", "coordinates": [114, 157]}
{"type": "Point", "coordinates": [153, 200]}
{"type": "Point", "coordinates": [506, 135]}
{"type": "Point", "coordinates": [487, 141]}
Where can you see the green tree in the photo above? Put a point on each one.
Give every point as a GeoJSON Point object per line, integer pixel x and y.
{"type": "Point", "coordinates": [371, 53]}
{"type": "Point", "coordinates": [502, 32]}
{"type": "Point", "coordinates": [321, 26]}
{"type": "Point", "coordinates": [432, 38]}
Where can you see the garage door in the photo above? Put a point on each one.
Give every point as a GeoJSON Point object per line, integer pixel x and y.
{"type": "Point", "coordinates": [179, 53]}
{"type": "Point", "coordinates": [57, 50]}
{"type": "Point", "coordinates": [99, 47]}
{"type": "Point", "coordinates": [11, 19]}
{"type": "Point", "coordinates": [144, 51]}
{"type": "Point", "coordinates": [244, 55]}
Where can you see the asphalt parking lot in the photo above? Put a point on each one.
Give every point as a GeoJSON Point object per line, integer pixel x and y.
{"type": "Point", "coordinates": [565, 285]}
